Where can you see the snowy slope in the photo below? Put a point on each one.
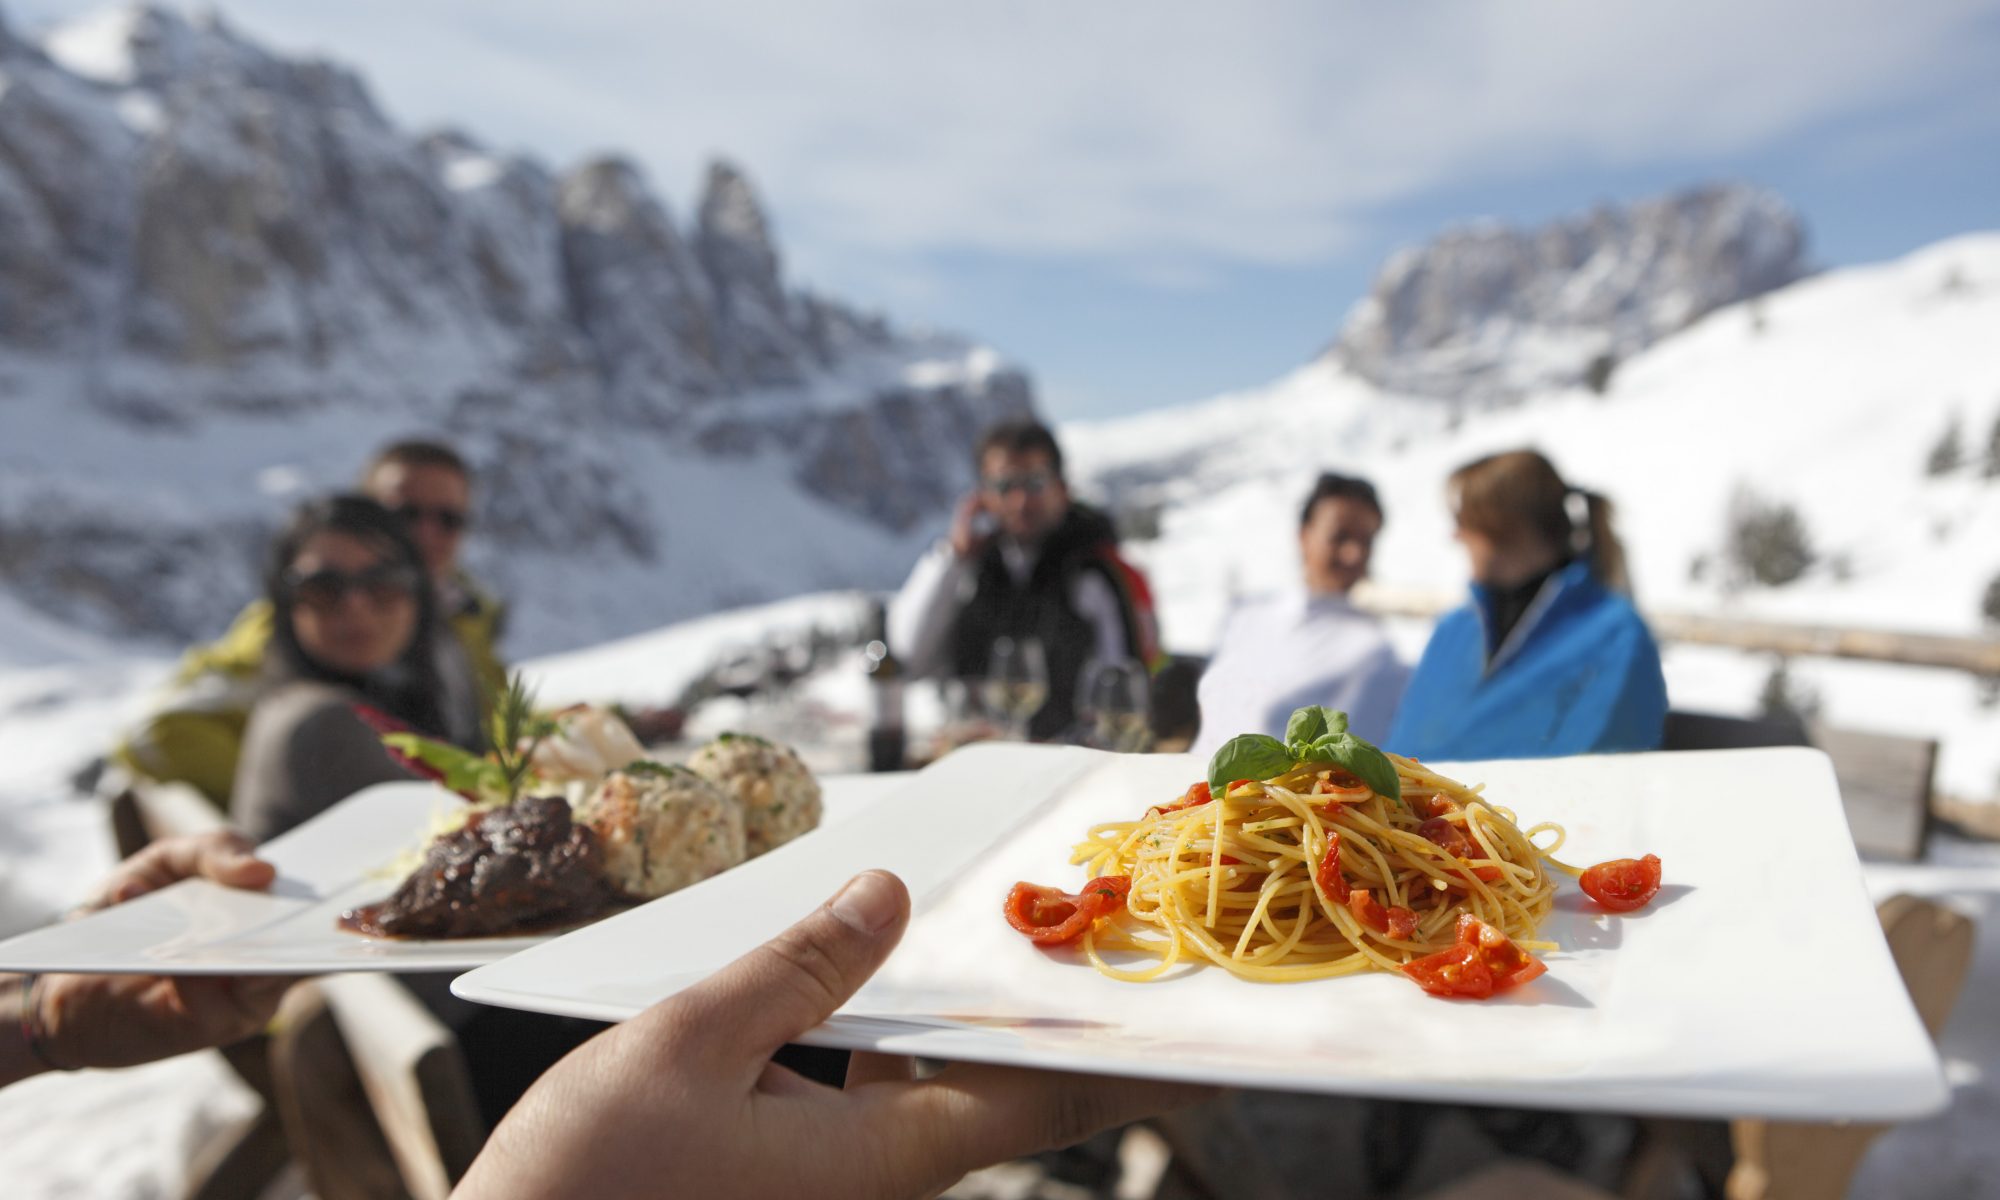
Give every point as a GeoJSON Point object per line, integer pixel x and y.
{"type": "Point", "coordinates": [1827, 395]}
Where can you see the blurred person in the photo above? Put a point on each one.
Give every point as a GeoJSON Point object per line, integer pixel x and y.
{"type": "Point", "coordinates": [196, 734]}
{"type": "Point", "coordinates": [1309, 646]}
{"type": "Point", "coordinates": [354, 619]}
{"type": "Point", "coordinates": [62, 1022]}
{"type": "Point", "coordinates": [1023, 561]}
{"type": "Point", "coordinates": [684, 1100]}
{"type": "Point", "coordinates": [1549, 657]}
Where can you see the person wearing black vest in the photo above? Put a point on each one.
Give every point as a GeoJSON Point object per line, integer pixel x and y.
{"type": "Point", "coordinates": [1023, 560]}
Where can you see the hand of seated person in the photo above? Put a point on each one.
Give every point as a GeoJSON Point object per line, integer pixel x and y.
{"type": "Point", "coordinates": [683, 1099]}
{"type": "Point", "coordinates": [123, 1020]}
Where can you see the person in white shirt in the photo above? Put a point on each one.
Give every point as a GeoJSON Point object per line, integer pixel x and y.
{"type": "Point", "coordinates": [1309, 646]}
{"type": "Point", "coordinates": [1023, 561]}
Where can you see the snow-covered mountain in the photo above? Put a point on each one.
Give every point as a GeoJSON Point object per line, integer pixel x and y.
{"type": "Point", "coordinates": [1832, 396]}
{"type": "Point", "coordinates": [226, 276]}
{"type": "Point", "coordinates": [1484, 312]}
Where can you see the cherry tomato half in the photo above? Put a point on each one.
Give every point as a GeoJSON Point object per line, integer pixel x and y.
{"type": "Point", "coordinates": [1329, 876]}
{"type": "Point", "coordinates": [1051, 916]}
{"type": "Point", "coordinates": [1448, 836]}
{"type": "Point", "coordinates": [1624, 884]}
{"type": "Point", "coordinates": [1196, 796]}
{"type": "Point", "coordinates": [1396, 921]}
{"type": "Point", "coordinates": [1483, 961]}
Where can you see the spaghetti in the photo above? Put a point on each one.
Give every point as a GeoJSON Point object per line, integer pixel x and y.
{"type": "Point", "coordinates": [1313, 874]}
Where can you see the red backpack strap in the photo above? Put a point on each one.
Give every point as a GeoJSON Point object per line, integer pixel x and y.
{"type": "Point", "coordinates": [1142, 617]}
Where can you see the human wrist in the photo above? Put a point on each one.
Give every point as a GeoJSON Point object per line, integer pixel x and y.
{"type": "Point", "coordinates": [24, 1047]}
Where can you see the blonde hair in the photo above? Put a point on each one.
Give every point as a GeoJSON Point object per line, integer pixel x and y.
{"type": "Point", "coordinates": [1517, 497]}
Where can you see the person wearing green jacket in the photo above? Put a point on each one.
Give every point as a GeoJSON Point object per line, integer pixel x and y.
{"type": "Point", "coordinates": [194, 735]}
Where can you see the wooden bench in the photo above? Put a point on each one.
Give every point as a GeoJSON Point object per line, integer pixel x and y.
{"type": "Point", "coordinates": [1885, 780]}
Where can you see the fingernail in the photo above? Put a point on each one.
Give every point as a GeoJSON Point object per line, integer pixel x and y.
{"type": "Point", "coordinates": [867, 904]}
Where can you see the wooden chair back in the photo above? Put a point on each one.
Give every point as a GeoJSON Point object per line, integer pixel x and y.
{"type": "Point", "coordinates": [1784, 1160]}
{"type": "Point", "coordinates": [1885, 780]}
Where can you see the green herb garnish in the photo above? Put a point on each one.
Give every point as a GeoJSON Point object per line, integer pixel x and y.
{"type": "Point", "coordinates": [1313, 735]}
{"type": "Point", "coordinates": [647, 766]}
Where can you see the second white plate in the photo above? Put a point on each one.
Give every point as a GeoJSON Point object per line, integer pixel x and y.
{"type": "Point", "coordinates": [339, 860]}
{"type": "Point", "coordinates": [1758, 984]}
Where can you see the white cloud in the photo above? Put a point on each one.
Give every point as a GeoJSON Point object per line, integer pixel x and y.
{"type": "Point", "coordinates": [1162, 132]}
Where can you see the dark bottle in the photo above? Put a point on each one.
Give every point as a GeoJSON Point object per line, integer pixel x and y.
{"type": "Point", "coordinates": [887, 743]}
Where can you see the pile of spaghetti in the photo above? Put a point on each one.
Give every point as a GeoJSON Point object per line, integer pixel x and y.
{"type": "Point", "coordinates": [1312, 874]}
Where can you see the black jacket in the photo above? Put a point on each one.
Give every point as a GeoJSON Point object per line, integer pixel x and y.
{"type": "Point", "coordinates": [1041, 609]}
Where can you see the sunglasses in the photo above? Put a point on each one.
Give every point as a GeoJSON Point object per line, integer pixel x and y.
{"type": "Point", "coordinates": [1034, 483]}
{"type": "Point", "coordinates": [451, 520]}
{"type": "Point", "coordinates": [325, 589]}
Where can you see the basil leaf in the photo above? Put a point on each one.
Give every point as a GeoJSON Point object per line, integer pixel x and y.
{"type": "Point", "coordinates": [1312, 723]}
{"type": "Point", "coordinates": [1360, 759]}
{"type": "Point", "coordinates": [1247, 756]}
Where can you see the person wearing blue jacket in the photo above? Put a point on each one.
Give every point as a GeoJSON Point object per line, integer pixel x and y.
{"type": "Point", "coordinates": [1549, 657]}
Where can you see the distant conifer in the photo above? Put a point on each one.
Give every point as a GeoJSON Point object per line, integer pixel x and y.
{"type": "Point", "coordinates": [1948, 454]}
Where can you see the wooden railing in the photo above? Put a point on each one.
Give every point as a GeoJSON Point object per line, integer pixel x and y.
{"type": "Point", "coordinates": [1975, 655]}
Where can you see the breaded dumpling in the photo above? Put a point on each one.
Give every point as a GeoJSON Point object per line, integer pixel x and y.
{"type": "Point", "coordinates": [663, 828]}
{"type": "Point", "coordinates": [779, 795]}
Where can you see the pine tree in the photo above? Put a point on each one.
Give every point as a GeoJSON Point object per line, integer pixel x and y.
{"type": "Point", "coordinates": [1783, 696]}
{"type": "Point", "coordinates": [1948, 454]}
{"type": "Point", "coordinates": [1766, 541]}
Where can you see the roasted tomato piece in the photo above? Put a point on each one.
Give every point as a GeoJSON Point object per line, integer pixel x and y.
{"type": "Point", "coordinates": [1431, 804]}
{"type": "Point", "coordinates": [1331, 881]}
{"type": "Point", "coordinates": [1483, 961]}
{"type": "Point", "coordinates": [1457, 971]}
{"type": "Point", "coordinates": [1194, 797]}
{"type": "Point", "coordinates": [1624, 884]}
{"type": "Point", "coordinates": [1396, 921]}
{"type": "Point", "coordinates": [1340, 786]}
{"type": "Point", "coordinates": [1446, 835]}
{"type": "Point", "coordinates": [1052, 916]}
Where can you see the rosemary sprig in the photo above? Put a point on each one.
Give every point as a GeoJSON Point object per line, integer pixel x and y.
{"type": "Point", "coordinates": [517, 729]}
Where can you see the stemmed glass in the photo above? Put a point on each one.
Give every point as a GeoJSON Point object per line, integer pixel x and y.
{"type": "Point", "coordinates": [1112, 705]}
{"type": "Point", "coordinates": [1017, 683]}
{"type": "Point", "coordinates": [743, 672]}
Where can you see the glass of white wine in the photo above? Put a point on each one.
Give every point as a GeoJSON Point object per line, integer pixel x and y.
{"type": "Point", "coordinates": [1017, 683]}
{"type": "Point", "coordinates": [1113, 705]}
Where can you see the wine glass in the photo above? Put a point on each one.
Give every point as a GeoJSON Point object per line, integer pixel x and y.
{"type": "Point", "coordinates": [1017, 682]}
{"type": "Point", "coordinates": [743, 672]}
{"type": "Point", "coordinates": [1113, 705]}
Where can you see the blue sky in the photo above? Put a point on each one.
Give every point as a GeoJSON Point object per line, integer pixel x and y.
{"type": "Point", "coordinates": [1150, 201]}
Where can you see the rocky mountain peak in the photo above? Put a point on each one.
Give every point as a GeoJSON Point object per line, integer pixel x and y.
{"type": "Point", "coordinates": [608, 195]}
{"type": "Point", "coordinates": [761, 327]}
{"type": "Point", "coordinates": [211, 243]}
{"type": "Point", "coordinates": [1485, 312]}
{"type": "Point", "coordinates": [735, 238]}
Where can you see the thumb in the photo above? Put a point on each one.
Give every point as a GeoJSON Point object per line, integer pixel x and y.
{"type": "Point", "coordinates": [797, 979]}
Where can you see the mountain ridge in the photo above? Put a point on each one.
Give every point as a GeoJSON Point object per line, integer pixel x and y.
{"type": "Point", "coordinates": [205, 244]}
{"type": "Point", "coordinates": [1485, 312]}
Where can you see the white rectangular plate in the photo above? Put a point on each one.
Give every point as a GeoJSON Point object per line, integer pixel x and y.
{"type": "Point", "coordinates": [339, 860]}
{"type": "Point", "coordinates": [1757, 985]}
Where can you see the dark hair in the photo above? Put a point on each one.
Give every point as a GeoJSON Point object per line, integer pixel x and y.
{"type": "Point", "coordinates": [1018, 437]}
{"type": "Point", "coordinates": [410, 690]}
{"type": "Point", "coordinates": [416, 452]}
{"type": "Point", "coordinates": [1518, 497]}
{"type": "Point", "coordinates": [1332, 486]}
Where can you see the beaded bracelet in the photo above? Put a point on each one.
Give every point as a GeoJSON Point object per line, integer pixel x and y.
{"type": "Point", "coordinates": [31, 1033]}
